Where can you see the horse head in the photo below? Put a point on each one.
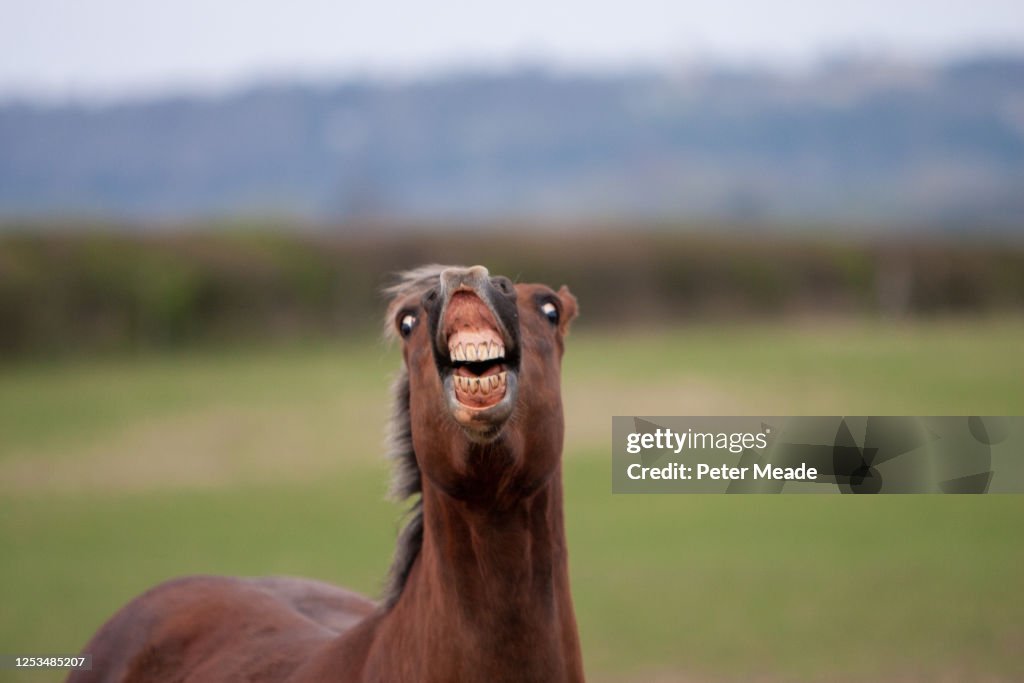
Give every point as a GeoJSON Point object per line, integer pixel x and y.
{"type": "Point", "coordinates": [483, 359]}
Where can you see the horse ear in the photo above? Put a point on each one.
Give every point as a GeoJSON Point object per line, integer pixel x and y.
{"type": "Point", "coordinates": [569, 309]}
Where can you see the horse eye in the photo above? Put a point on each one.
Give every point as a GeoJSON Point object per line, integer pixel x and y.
{"type": "Point", "coordinates": [551, 311]}
{"type": "Point", "coordinates": [408, 322]}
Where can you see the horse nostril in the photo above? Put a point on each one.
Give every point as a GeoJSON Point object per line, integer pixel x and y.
{"type": "Point", "coordinates": [502, 283]}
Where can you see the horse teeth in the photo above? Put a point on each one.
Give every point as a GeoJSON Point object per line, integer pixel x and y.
{"type": "Point", "coordinates": [485, 351]}
{"type": "Point", "coordinates": [471, 352]}
{"type": "Point", "coordinates": [501, 351]}
{"type": "Point", "coordinates": [474, 385]}
{"type": "Point", "coordinates": [493, 381]}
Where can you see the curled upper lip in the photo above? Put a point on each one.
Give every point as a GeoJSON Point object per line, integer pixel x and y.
{"type": "Point", "coordinates": [504, 340]}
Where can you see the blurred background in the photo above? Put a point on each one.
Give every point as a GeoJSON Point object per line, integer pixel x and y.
{"type": "Point", "coordinates": [777, 209]}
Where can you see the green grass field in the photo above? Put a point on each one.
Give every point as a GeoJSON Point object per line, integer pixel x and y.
{"type": "Point", "coordinates": [118, 473]}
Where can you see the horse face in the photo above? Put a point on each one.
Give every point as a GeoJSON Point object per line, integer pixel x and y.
{"type": "Point", "coordinates": [479, 349]}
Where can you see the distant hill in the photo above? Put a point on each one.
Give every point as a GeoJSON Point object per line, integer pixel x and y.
{"type": "Point", "coordinates": [877, 143]}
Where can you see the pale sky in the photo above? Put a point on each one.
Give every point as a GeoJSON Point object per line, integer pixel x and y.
{"type": "Point", "coordinates": [90, 48]}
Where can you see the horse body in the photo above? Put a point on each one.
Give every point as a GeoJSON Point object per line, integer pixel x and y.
{"type": "Point", "coordinates": [480, 588]}
{"type": "Point", "coordinates": [202, 627]}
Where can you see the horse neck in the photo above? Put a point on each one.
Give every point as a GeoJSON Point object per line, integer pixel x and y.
{"type": "Point", "coordinates": [488, 598]}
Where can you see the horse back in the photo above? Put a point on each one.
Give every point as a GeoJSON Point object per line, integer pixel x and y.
{"type": "Point", "coordinates": [209, 628]}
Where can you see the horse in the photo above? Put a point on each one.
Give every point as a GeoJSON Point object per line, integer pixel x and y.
{"type": "Point", "coordinates": [478, 590]}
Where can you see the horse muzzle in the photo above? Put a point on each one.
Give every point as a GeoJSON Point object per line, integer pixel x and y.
{"type": "Point", "coordinates": [477, 349]}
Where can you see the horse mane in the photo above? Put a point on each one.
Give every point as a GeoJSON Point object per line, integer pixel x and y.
{"type": "Point", "coordinates": [406, 479]}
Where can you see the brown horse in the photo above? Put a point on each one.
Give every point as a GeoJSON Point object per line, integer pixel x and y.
{"type": "Point", "coordinates": [479, 587]}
